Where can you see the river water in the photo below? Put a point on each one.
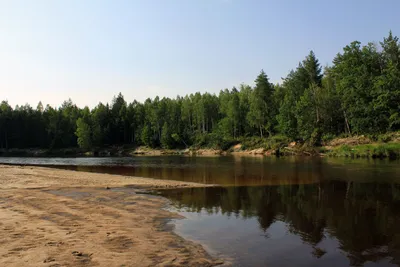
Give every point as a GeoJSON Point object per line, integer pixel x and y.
{"type": "Point", "coordinates": [275, 211]}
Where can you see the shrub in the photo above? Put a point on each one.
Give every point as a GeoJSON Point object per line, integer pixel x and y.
{"type": "Point", "coordinates": [327, 137]}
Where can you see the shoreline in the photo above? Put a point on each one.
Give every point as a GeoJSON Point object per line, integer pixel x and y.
{"type": "Point", "coordinates": [52, 217]}
{"type": "Point", "coordinates": [354, 147]}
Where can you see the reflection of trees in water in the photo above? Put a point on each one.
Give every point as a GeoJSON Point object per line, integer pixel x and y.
{"type": "Point", "coordinates": [249, 171]}
{"type": "Point", "coordinates": [364, 218]}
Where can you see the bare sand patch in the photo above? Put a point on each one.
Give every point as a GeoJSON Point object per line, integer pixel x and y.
{"type": "Point", "coordinates": [51, 217]}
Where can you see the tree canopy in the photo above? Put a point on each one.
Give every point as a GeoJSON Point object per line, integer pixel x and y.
{"type": "Point", "coordinates": [358, 94]}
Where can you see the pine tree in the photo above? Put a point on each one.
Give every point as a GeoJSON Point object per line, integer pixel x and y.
{"type": "Point", "coordinates": [261, 101]}
{"type": "Point", "coordinates": [313, 69]}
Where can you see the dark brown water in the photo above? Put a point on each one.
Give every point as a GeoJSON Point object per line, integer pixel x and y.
{"type": "Point", "coordinates": [230, 171]}
{"type": "Point", "coordinates": [276, 212]}
{"type": "Point", "coordinates": [332, 223]}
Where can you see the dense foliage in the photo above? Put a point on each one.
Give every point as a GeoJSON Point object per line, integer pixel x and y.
{"type": "Point", "coordinates": [358, 94]}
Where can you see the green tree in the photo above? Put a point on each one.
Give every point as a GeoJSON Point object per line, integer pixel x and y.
{"type": "Point", "coordinates": [146, 136]}
{"type": "Point", "coordinates": [386, 101]}
{"type": "Point", "coordinates": [313, 70]}
{"type": "Point", "coordinates": [355, 72]}
{"type": "Point", "coordinates": [5, 123]}
{"type": "Point", "coordinates": [233, 113]}
{"type": "Point", "coordinates": [309, 112]}
{"type": "Point", "coordinates": [83, 132]}
{"type": "Point", "coordinates": [101, 120]}
{"type": "Point", "coordinates": [287, 120]}
{"type": "Point", "coordinates": [260, 113]}
{"type": "Point", "coordinates": [300, 110]}
{"type": "Point", "coordinates": [292, 89]}
{"type": "Point", "coordinates": [119, 125]}
{"type": "Point", "coordinates": [166, 136]}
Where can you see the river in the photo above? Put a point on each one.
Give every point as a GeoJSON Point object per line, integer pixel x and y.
{"type": "Point", "coordinates": [271, 211]}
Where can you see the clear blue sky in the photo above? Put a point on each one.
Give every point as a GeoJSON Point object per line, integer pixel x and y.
{"type": "Point", "coordinates": [89, 50]}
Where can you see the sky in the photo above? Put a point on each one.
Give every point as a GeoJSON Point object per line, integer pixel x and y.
{"type": "Point", "coordinates": [90, 50]}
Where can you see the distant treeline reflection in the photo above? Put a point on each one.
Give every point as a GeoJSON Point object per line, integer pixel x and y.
{"type": "Point", "coordinates": [249, 171]}
{"type": "Point", "coordinates": [363, 217]}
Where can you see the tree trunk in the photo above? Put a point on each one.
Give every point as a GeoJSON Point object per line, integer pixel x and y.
{"type": "Point", "coordinates": [347, 122]}
{"type": "Point", "coordinates": [261, 131]}
{"type": "Point", "coordinates": [184, 142]}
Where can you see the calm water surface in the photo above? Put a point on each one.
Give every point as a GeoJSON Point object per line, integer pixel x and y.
{"type": "Point", "coordinates": [229, 170]}
{"type": "Point", "coordinates": [275, 212]}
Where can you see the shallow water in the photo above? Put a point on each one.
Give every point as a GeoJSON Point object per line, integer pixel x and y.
{"type": "Point", "coordinates": [276, 211]}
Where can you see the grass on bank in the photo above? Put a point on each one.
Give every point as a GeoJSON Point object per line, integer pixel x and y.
{"type": "Point", "coordinates": [377, 150]}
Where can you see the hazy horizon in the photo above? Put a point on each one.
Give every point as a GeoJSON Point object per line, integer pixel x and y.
{"type": "Point", "coordinates": [89, 51]}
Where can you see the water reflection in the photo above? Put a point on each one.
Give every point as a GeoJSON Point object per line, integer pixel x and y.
{"type": "Point", "coordinates": [359, 220]}
{"type": "Point", "coordinates": [229, 170]}
{"type": "Point", "coordinates": [304, 212]}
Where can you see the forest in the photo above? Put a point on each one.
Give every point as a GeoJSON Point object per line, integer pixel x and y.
{"type": "Point", "coordinates": [359, 93]}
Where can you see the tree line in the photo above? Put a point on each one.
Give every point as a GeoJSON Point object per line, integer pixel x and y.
{"type": "Point", "coordinates": [358, 94]}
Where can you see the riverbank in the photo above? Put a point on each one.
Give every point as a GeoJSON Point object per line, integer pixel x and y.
{"type": "Point", "coordinates": [383, 146]}
{"type": "Point", "coordinates": [52, 217]}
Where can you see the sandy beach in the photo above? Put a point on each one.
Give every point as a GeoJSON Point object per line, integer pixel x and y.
{"type": "Point", "coordinates": [51, 217]}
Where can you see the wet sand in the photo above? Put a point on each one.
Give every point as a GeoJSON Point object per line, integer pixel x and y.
{"type": "Point", "coordinates": [51, 217]}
